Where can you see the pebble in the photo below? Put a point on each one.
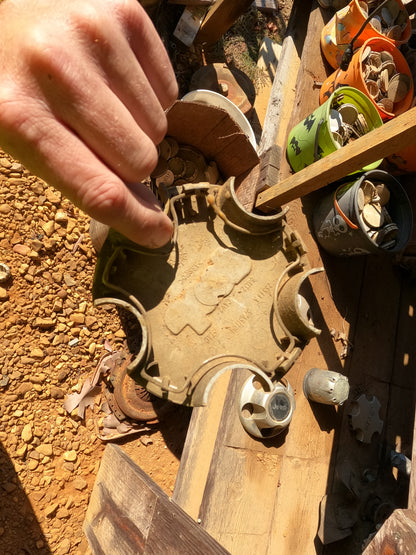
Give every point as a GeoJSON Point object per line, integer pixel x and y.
{"type": "Point", "coordinates": [79, 483]}
{"type": "Point", "coordinates": [4, 295]}
{"type": "Point", "coordinates": [23, 389]}
{"type": "Point", "coordinates": [62, 513]}
{"type": "Point", "coordinates": [27, 433]}
{"type": "Point", "coordinates": [56, 392]}
{"type": "Point", "coordinates": [70, 456]}
{"type": "Point", "coordinates": [5, 208]}
{"type": "Point", "coordinates": [21, 451]}
{"type": "Point", "coordinates": [21, 249]}
{"type": "Point", "coordinates": [36, 353]}
{"type": "Point", "coordinates": [48, 228]}
{"type": "Point", "coordinates": [9, 487]}
{"type": "Point", "coordinates": [51, 510]}
{"type": "Point", "coordinates": [32, 464]}
{"type": "Point", "coordinates": [45, 449]}
{"type": "Point", "coordinates": [44, 323]}
{"type": "Point", "coordinates": [64, 547]}
{"type": "Point", "coordinates": [61, 217]}
{"type": "Point", "coordinates": [77, 318]}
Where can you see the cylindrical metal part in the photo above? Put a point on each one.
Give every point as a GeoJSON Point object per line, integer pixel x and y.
{"type": "Point", "coordinates": [326, 387]}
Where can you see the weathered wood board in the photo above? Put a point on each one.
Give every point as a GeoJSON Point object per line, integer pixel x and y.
{"type": "Point", "coordinates": [129, 514]}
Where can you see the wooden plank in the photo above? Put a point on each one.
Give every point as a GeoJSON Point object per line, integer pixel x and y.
{"type": "Point", "coordinates": [238, 500]}
{"type": "Point", "coordinates": [220, 18]}
{"type": "Point", "coordinates": [284, 81]}
{"type": "Point", "coordinates": [129, 514]}
{"type": "Point", "coordinates": [197, 452]}
{"type": "Point", "coordinates": [379, 143]}
{"type": "Point", "coordinates": [397, 536]}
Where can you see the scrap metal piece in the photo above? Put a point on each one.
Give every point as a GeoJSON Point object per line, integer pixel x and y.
{"type": "Point", "coordinates": [135, 401]}
{"type": "Point", "coordinates": [326, 387]}
{"type": "Point", "coordinates": [293, 307]}
{"type": "Point", "coordinates": [364, 418]}
{"type": "Point", "coordinates": [201, 297]}
{"type": "Point", "coordinates": [266, 408]}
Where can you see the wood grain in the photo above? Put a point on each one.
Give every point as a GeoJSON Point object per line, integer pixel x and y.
{"type": "Point", "coordinates": [379, 143]}
{"type": "Point", "coordinates": [129, 514]}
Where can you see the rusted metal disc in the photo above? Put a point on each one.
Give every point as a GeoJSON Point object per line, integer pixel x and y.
{"type": "Point", "coordinates": [135, 401]}
{"type": "Point", "coordinates": [231, 82]}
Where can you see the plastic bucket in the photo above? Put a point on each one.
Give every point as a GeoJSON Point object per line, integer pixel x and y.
{"type": "Point", "coordinates": [339, 228]}
{"type": "Point", "coordinates": [403, 161]}
{"type": "Point", "coordinates": [312, 139]}
{"type": "Point", "coordinates": [354, 76]}
{"type": "Point", "coordinates": [343, 27]}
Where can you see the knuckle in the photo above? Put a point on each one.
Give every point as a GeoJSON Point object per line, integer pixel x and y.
{"type": "Point", "coordinates": [103, 196]}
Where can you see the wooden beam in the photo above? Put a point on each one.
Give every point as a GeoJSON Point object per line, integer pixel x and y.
{"type": "Point", "coordinates": [397, 536]}
{"type": "Point", "coordinates": [379, 143]}
{"type": "Point", "coordinates": [129, 514]}
{"type": "Point", "coordinates": [220, 18]}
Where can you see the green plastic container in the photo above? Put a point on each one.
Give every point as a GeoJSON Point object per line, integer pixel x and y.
{"type": "Point", "coordinates": [312, 139]}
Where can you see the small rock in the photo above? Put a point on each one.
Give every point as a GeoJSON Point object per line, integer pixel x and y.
{"type": "Point", "coordinates": [32, 464]}
{"type": "Point", "coordinates": [70, 456]}
{"type": "Point", "coordinates": [45, 449]}
{"type": "Point", "coordinates": [3, 294]}
{"type": "Point", "coordinates": [77, 318]}
{"type": "Point", "coordinates": [5, 208]}
{"type": "Point", "coordinates": [62, 375]}
{"type": "Point", "coordinates": [36, 353]}
{"type": "Point", "coordinates": [79, 483]}
{"type": "Point", "coordinates": [146, 440]}
{"type": "Point", "coordinates": [48, 227]}
{"type": "Point", "coordinates": [61, 217]}
{"type": "Point", "coordinates": [62, 513]}
{"type": "Point", "coordinates": [51, 510]}
{"type": "Point", "coordinates": [21, 451]}
{"type": "Point", "coordinates": [44, 323]}
{"type": "Point", "coordinates": [21, 249]}
{"type": "Point", "coordinates": [52, 196]}
{"type": "Point", "coordinates": [27, 433]}
{"type": "Point", "coordinates": [64, 547]}
{"type": "Point", "coordinates": [24, 388]}
{"type": "Point", "coordinates": [56, 392]}
{"type": "Point", "coordinates": [57, 305]}
{"type": "Point", "coordinates": [69, 282]}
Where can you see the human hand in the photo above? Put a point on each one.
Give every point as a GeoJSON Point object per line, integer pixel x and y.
{"type": "Point", "coordinates": [83, 89]}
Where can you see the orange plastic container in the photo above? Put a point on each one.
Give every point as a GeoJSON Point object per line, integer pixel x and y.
{"type": "Point", "coordinates": [354, 76]}
{"type": "Point", "coordinates": [403, 161]}
{"type": "Point", "coordinates": [341, 29]}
